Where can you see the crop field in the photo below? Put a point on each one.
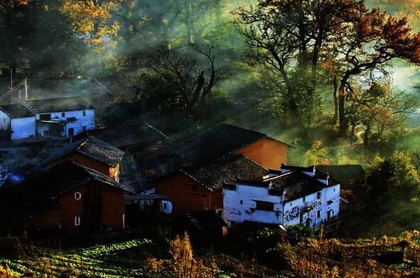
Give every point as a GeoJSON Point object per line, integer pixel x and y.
{"type": "Point", "coordinates": [122, 259]}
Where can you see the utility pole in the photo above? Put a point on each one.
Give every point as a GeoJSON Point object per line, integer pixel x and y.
{"type": "Point", "coordinates": [26, 89]}
{"type": "Point", "coordinates": [11, 78]}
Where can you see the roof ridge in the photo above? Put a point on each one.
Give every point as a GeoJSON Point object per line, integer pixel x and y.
{"type": "Point", "coordinates": [253, 161]}
{"type": "Point", "coordinates": [191, 176]}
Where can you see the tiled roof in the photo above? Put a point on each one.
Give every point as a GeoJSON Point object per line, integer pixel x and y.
{"type": "Point", "coordinates": [318, 173]}
{"type": "Point", "coordinates": [217, 142]}
{"type": "Point", "coordinates": [42, 192]}
{"type": "Point", "coordinates": [213, 175]}
{"type": "Point", "coordinates": [16, 111]}
{"type": "Point", "coordinates": [101, 151]}
{"type": "Point", "coordinates": [58, 104]}
{"type": "Point", "coordinates": [350, 173]}
{"type": "Point", "coordinates": [91, 147]}
{"type": "Point", "coordinates": [139, 135]}
{"type": "Point", "coordinates": [296, 184]}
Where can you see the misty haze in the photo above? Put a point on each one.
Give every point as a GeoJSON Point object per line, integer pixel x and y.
{"type": "Point", "coordinates": [210, 138]}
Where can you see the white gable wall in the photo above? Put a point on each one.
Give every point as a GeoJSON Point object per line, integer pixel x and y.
{"type": "Point", "coordinates": [85, 120]}
{"type": "Point", "coordinates": [295, 213]}
{"type": "Point", "coordinates": [241, 205]}
{"type": "Point", "coordinates": [4, 120]}
{"type": "Point", "coordinates": [331, 202]}
{"type": "Point", "coordinates": [23, 127]}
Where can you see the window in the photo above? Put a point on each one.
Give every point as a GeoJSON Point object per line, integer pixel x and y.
{"type": "Point", "coordinates": [291, 204]}
{"type": "Point", "coordinates": [318, 214]}
{"type": "Point", "coordinates": [77, 221]}
{"type": "Point", "coordinates": [77, 195]}
{"type": "Point", "coordinates": [63, 114]}
{"type": "Point", "coordinates": [45, 117]}
{"type": "Point", "coordinates": [241, 202]}
{"type": "Point", "coordinates": [318, 195]}
{"type": "Point", "coordinates": [267, 206]}
{"type": "Point", "coordinates": [84, 113]}
{"type": "Point", "coordinates": [304, 198]}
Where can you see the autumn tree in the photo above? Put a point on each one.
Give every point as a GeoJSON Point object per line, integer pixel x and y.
{"type": "Point", "coordinates": [290, 38]}
{"type": "Point", "coordinates": [92, 20]}
{"type": "Point", "coordinates": [379, 111]}
{"type": "Point", "coordinates": [402, 8]}
{"type": "Point", "coordinates": [366, 46]}
{"type": "Point", "coordinates": [304, 42]}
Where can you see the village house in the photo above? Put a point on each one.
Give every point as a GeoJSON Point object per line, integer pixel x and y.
{"type": "Point", "coordinates": [62, 117]}
{"type": "Point", "coordinates": [19, 121]}
{"type": "Point", "coordinates": [295, 195]}
{"type": "Point", "coordinates": [66, 197]}
{"type": "Point", "coordinates": [141, 143]}
{"type": "Point", "coordinates": [199, 187]}
{"type": "Point", "coordinates": [224, 140]}
{"type": "Point", "coordinates": [90, 152]}
{"type": "Point", "coordinates": [51, 118]}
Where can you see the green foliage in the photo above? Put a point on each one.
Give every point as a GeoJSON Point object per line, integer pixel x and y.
{"type": "Point", "coordinates": [396, 177]}
{"type": "Point", "coordinates": [317, 154]}
{"type": "Point", "coordinates": [296, 233]}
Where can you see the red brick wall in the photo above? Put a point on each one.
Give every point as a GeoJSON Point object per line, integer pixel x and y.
{"type": "Point", "coordinates": [266, 152]}
{"type": "Point", "coordinates": [112, 207]}
{"type": "Point", "coordinates": [112, 210]}
{"type": "Point", "coordinates": [187, 195]}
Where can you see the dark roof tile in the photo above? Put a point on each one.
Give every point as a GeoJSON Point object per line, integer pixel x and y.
{"type": "Point", "coordinates": [16, 111]}
{"type": "Point", "coordinates": [217, 142]}
{"type": "Point", "coordinates": [59, 104]}
{"type": "Point", "coordinates": [227, 170]}
{"type": "Point", "coordinates": [91, 147]}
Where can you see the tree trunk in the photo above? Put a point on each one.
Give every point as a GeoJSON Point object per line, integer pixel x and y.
{"type": "Point", "coordinates": [335, 84]}
{"type": "Point", "coordinates": [341, 111]}
{"type": "Point", "coordinates": [366, 136]}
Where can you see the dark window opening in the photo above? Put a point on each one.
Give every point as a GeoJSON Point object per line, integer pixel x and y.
{"type": "Point", "coordinates": [45, 117]}
{"type": "Point", "coordinates": [318, 195]}
{"type": "Point", "coordinates": [267, 206]}
{"type": "Point", "coordinates": [63, 114]}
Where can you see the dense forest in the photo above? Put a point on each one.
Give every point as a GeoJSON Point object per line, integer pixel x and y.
{"type": "Point", "coordinates": [337, 80]}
